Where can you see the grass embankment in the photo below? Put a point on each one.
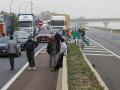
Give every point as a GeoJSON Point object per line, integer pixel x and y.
{"type": "Point", "coordinates": [80, 77]}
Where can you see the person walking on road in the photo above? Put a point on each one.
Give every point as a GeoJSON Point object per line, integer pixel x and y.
{"type": "Point", "coordinates": [63, 51]}
{"type": "Point", "coordinates": [12, 49]}
{"type": "Point", "coordinates": [51, 50]}
{"type": "Point", "coordinates": [30, 46]}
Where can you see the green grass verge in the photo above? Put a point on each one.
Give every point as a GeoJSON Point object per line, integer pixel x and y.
{"type": "Point", "coordinates": [80, 77]}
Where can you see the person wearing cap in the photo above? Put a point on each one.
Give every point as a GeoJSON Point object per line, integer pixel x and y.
{"type": "Point", "coordinates": [30, 46]}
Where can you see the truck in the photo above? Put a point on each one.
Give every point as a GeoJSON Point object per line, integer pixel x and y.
{"type": "Point", "coordinates": [59, 22]}
{"type": "Point", "coordinates": [6, 25]}
{"type": "Point", "coordinates": [27, 23]}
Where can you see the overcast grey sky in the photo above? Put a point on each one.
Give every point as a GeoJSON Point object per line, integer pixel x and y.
{"type": "Point", "coordinates": [76, 8]}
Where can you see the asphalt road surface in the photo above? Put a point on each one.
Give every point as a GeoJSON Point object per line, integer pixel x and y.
{"type": "Point", "coordinates": [106, 61]}
{"type": "Point", "coordinates": [5, 73]}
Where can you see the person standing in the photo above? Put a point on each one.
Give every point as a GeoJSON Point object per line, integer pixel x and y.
{"type": "Point", "coordinates": [63, 51]}
{"type": "Point", "coordinates": [51, 50]}
{"type": "Point", "coordinates": [12, 49]}
{"type": "Point", "coordinates": [57, 38]}
{"type": "Point", "coordinates": [30, 46]}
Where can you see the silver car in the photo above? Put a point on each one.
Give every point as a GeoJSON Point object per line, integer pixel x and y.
{"type": "Point", "coordinates": [3, 46]}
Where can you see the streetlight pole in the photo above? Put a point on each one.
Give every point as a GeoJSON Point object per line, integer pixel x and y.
{"type": "Point", "coordinates": [11, 4]}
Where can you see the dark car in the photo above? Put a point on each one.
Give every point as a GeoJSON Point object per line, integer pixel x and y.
{"type": "Point", "coordinates": [22, 37]}
{"type": "Point", "coordinates": [3, 46]}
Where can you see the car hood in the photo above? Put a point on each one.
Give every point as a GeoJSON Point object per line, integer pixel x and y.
{"type": "Point", "coordinates": [44, 35]}
{"type": "Point", "coordinates": [22, 40]}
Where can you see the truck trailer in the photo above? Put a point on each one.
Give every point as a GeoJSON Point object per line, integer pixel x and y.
{"type": "Point", "coordinates": [6, 25]}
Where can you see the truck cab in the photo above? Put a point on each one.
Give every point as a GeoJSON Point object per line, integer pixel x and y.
{"type": "Point", "coordinates": [26, 23]}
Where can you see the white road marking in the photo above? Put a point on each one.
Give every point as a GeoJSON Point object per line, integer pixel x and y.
{"type": "Point", "coordinates": [6, 86]}
{"type": "Point", "coordinates": [90, 47]}
{"type": "Point", "coordinates": [90, 54]}
{"type": "Point", "coordinates": [95, 51]}
{"type": "Point", "coordinates": [105, 48]}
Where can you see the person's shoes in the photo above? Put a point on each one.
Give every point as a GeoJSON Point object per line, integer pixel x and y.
{"type": "Point", "coordinates": [34, 68]}
{"type": "Point", "coordinates": [29, 68]}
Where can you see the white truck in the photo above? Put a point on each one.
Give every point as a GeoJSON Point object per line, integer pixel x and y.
{"type": "Point", "coordinates": [57, 23]}
{"type": "Point", "coordinates": [27, 23]}
{"type": "Point", "coordinates": [60, 22]}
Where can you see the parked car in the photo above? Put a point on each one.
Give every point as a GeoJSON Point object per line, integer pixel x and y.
{"type": "Point", "coordinates": [43, 37]}
{"type": "Point", "coordinates": [3, 46]}
{"type": "Point", "coordinates": [22, 37]}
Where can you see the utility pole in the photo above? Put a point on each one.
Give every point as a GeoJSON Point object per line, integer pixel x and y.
{"type": "Point", "coordinates": [31, 7]}
{"type": "Point", "coordinates": [11, 5]}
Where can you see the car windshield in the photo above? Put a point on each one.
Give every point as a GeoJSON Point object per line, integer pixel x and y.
{"type": "Point", "coordinates": [4, 40]}
{"type": "Point", "coordinates": [55, 29]}
{"type": "Point", "coordinates": [25, 24]}
{"type": "Point", "coordinates": [21, 35]}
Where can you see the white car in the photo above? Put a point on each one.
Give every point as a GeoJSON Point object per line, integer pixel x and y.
{"type": "Point", "coordinates": [22, 37]}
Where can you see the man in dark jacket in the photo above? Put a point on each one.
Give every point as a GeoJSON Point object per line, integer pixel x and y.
{"type": "Point", "coordinates": [58, 38]}
{"type": "Point", "coordinates": [30, 45]}
{"type": "Point", "coordinates": [51, 49]}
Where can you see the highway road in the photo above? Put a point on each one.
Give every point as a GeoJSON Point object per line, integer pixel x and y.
{"type": "Point", "coordinates": [5, 73]}
{"type": "Point", "coordinates": [104, 53]}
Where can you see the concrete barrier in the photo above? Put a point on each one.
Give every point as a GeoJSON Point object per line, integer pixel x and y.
{"type": "Point", "coordinates": [62, 77]}
{"type": "Point", "coordinates": [62, 83]}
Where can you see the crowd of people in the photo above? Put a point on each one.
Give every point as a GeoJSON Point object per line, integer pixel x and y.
{"type": "Point", "coordinates": [56, 49]}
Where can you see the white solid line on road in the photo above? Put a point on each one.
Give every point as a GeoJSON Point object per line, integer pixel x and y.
{"type": "Point", "coordinates": [95, 51]}
{"type": "Point", "coordinates": [90, 47]}
{"type": "Point", "coordinates": [6, 86]}
{"type": "Point", "coordinates": [90, 54]}
{"type": "Point", "coordinates": [105, 48]}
